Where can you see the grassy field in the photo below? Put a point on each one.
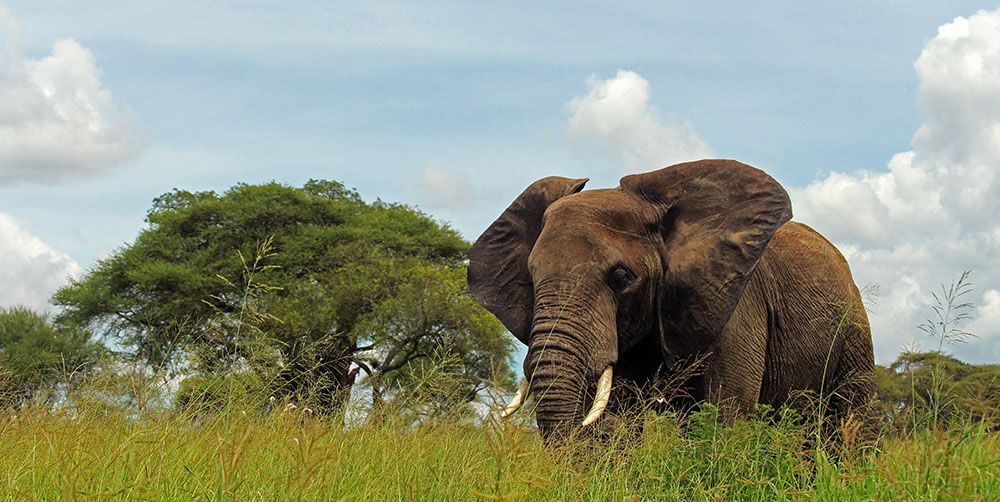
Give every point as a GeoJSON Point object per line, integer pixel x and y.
{"type": "Point", "coordinates": [248, 455]}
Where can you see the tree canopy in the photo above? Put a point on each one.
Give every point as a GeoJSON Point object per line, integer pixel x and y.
{"type": "Point", "coordinates": [936, 383]}
{"type": "Point", "coordinates": [308, 282]}
{"type": "Point", "coordinates": [37, 356]}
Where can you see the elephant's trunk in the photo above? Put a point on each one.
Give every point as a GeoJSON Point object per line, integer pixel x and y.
{"type": "Point", "coordinates": [572, 345]}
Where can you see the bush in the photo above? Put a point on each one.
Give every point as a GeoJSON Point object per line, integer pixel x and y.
{"type": "Point", "coordinates": [37, 358]}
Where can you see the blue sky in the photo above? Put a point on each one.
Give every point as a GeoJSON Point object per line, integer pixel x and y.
{"type": "Point", "coordinates": [456, 108]}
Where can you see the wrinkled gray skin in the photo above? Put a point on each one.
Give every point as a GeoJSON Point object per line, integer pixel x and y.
{"type": "Point", "coordinates": [696, 260]}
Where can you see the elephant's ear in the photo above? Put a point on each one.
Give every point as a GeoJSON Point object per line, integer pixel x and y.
{"type": "Point", "coordinates": [498, 261]}
{"type": "Point", "coordinates": [717, 217]}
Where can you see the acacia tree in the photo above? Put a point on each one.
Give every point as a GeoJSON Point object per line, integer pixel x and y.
{"type": "Point", "coordinates": [296, 281]}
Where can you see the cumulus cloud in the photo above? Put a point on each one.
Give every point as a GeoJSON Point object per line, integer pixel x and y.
{"type": "Point", "coordinates": [987, 322]}
{"type": "Point", "coordinates": [444, 188]}
{"type": "Point", "coordinates": [616, 115]}
{"type": "Point", "coordinates": [56, 119]}
{"type": "Point", "coordinates": [933, 212]}
{"type": "Point", "coordinates": [30, 270]}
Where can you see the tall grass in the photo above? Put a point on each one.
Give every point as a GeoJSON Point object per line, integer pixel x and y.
{"type": "Point", "coordinates": [243, 453]}
{"type": "Point", "coordinates": [951, 311]}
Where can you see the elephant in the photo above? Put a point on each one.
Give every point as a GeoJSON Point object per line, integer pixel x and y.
{"type": "Point", "coordinates": [609, 288]}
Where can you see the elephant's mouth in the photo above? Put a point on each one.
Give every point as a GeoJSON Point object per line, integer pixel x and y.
{"type": "Point", "coordinates": [601, 398]}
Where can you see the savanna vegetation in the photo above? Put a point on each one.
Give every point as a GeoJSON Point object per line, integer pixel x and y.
{"type": "Point", "coordinates": [245, 454]}
{"type": "Point", "coordinates": [298, 289]}
{"type": "Point", "coordinates": [276, 342]}
{"type": "Point", "coordinates": [38, 358]}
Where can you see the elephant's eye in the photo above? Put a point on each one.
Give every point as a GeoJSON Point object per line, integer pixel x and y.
{"type": "Point", "coordinates": [620, 278]}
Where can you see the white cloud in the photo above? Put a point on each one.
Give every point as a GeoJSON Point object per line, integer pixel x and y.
{"type": "Point", "coordinates": [934, 212]}
{"type": "Point", "coordinates": [56, 119]}
{"type": "Point", "coordinates": [987, 322]}
{"type": "Point", "coordinates": [444, 188]}
{"type": "Point", "coordinates": [30, 270]}
{"type": "Point", "coordinates": [616, 115]}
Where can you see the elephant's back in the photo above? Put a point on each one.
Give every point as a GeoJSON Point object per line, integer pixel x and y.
{"type": "Point", "coordinates": [811, 269]}
{"type": "Point", "coordinates": [805, 255]}
{"type": "Point", "coordinates": [817, 309]}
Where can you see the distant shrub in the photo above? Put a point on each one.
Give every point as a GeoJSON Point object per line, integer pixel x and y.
{"type": "Point", "coordinates": [37, 357]}
{"type": "Point", "coordinates": [917, 382]}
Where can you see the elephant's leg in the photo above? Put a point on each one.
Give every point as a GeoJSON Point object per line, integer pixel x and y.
{"type": "Point", "coordinates": [853, 411]}
{"type": "Point", "coordinates": [735, 369]}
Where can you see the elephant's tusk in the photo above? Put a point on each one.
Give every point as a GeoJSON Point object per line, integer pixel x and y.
{"type": "Point", "coordinates": [517, 401]}
{"type": "Point", "coordinates": [601, 399]}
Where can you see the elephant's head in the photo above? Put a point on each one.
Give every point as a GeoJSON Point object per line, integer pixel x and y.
{"type": "Point", "coordinates": [582, 276]}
